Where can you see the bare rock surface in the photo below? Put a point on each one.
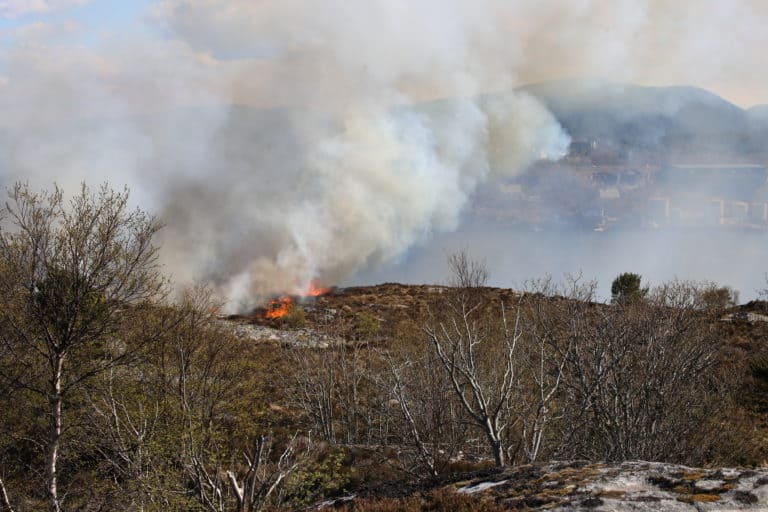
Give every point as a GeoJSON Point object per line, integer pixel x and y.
{"type": "Point", "coordinates": [597, 487]}
{"type": "Point", "coordinates": [747, 316]}
{"type": "Point", "coordinates": [305, 337]}
{"type": "Point", "coordinates": [631, 486]}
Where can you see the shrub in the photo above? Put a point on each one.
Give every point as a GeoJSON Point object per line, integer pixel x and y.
{"type": "Point", "coordinates": [367, 325]}
{"type": "Point", "coordinates": [296, 317]}
{"type": "Point", "coordinates": [626, 288]}
{"type": "Point", "coordinates": [719, 297]}
{"type": "Point", "coordinates": [327, 477]}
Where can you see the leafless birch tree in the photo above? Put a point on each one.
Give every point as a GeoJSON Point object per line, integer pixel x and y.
{"type": "Point", "coordinates": [642, 378]}
{"type": "Point", "coordinates": [477, 348]}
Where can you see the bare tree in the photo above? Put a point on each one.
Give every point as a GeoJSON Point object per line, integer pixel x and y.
{"type": "Point", "coordinates": [425, 455]}
{"type": "Point", "coordinates": [126, 426]}
{"type": "Point", "coordinates": [261, 479]}
{"type": "Point", "coordinates": [202, 370]}
{"type": "Point", "coordinates": [433, 421]}
{"type": "Point", "coordinates": [477, 347]}
{"type": "Point", "coordinates": [466, 273]}
{"type": "Point", "coordinates": [250, 487]}
{"type": "Point", "coordinates": [642, 378]}
{"type": "Point", "coordinates": [504, 357]}
{"type": "Point", "coordinates": [314, 391]}
{"type": "Point", "coordinates": [688, 294]}
{"type": "Point", "coordinates": [71, 277]}
{"type": "Point", "coordinates": [336, 388]}
{"type": "Point", "coordinates": [547, 309]}
{"type": "Point", "coordinates": [543, 362]}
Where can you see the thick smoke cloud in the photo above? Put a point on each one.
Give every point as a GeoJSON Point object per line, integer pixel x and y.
{"type": "Point", "coordinates": [352, 172]}
{"type": "Point", "coordinates": [288, 140]}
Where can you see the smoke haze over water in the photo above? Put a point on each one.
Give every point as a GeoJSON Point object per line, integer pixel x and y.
{"type": "Point", "coordinates": [291, 140]}
{"type": "Point", "coordinates": [513, 256]}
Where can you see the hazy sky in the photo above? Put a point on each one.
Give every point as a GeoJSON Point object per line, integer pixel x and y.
{"type": "Point", "coordinates": [715, 44]}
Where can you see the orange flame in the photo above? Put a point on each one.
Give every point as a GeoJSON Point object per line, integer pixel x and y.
{"type": "Point", "coordinates": [315, 290]}
{"type": "Point", "coordinates": [278, 308]}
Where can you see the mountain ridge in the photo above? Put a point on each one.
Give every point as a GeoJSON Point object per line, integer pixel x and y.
{"type": "Point", "coordinates": [644, 124]}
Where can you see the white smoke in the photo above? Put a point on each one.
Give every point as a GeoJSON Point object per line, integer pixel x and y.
{"type": "Point", "coordinates": [382, 182]}
{"type": "Point", "coordinates": [366, 169]}
{"type": "Point", "coordinates": [293, 139]}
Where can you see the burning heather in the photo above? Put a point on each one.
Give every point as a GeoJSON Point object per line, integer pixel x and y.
{"type": "Point", "coordinates": [278, 308]}
{"type": "Point", "coordinates": [315, 290]}
{"type": "Point", "coordinates": [281, 306]}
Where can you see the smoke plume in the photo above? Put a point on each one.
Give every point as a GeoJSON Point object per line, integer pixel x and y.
{"type": "Point", "coordinates": [283, 141]}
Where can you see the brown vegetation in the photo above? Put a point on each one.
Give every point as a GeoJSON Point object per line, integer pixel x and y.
{"type": "Point", "coordinates": [115, 397]}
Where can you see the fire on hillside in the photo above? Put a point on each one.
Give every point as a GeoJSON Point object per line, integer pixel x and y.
{"type": "Point", "coordinates": [280, 307]}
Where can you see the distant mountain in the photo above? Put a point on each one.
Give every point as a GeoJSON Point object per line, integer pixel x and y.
{"type": "Point", "coordinates": [639, 124]}
{"type": "Point", "coordinates": [758, 113]}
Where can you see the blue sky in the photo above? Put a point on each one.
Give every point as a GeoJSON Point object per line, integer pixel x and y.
{"type": "Point", "coordinates": [97, 17]}
{"type": "Point", "coordinates": [109, 14]}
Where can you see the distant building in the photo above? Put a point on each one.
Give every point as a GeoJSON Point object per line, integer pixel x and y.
{"type": "Point", "coordinates": [716, 211]}
{"type": "Point", "coordinates": [736, 212]}
{"type": "Point", "coordinates": [733, 182]}
{"type": "Point", "coordinates": [709, 194]}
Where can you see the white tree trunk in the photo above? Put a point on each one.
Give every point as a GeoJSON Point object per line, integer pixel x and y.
{"type": "Point", "coordinates": [5, 503]}
{"type": "Point", "coordinates": [56, 422]}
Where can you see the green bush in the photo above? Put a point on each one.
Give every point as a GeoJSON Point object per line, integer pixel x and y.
{"type": "Point", "coordinates": [367, 325]}
{"type": "Point", "coordinates": [626, 288]}
{"type": "Point", "coordinates": [326, 477]}
{"type": "Point", "coordinates": [296, 317]}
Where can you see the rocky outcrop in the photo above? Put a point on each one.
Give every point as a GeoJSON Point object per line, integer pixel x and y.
{"type": "Point", "coordinates": [634, 486]}
{"type": "Point", "coordinates": [630, 486]}
{"type": "Point", "coordinates": [303, 337]}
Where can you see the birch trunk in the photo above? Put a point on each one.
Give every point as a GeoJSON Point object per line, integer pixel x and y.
{"type": "Point", "coordinates": [4, 496]}
{"type": "Point", "coordinates": [56, 422]}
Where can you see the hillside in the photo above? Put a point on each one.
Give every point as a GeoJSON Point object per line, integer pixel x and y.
{"type": "Point", "coordinates": [739, 332]}
{"type": "Point", "coordinates": [744, 326]}
{"type": "Point", "coordinates": [346, 401]}
{"type": "Point", "coordinates": [655, 124]}
{"type": "Point", "coordinates": [758, 113]}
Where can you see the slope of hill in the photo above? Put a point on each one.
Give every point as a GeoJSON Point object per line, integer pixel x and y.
{"type": "Point", "coordinates": [758, 113]}
{"type": "Point", "coordinates": [678, 123]}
